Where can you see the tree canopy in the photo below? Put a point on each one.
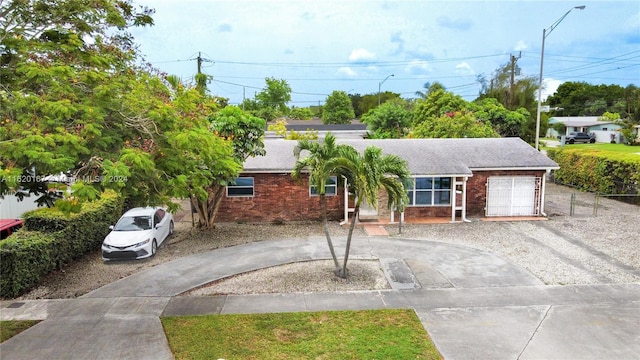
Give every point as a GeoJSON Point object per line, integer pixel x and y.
{"type": "Point", "coordinates": [338, 109]}
{"type": "Point", "coordinates": [74, 101]}
{"type": "Point", "coordinates": [275, 95]}
{"type": "Point", "coordinates": [583, 99]}
{"type": "Point", "coordinates": [391, 120]}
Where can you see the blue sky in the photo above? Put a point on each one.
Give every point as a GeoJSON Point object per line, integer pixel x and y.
{"type": "Point", "coordinates": [319, 46]}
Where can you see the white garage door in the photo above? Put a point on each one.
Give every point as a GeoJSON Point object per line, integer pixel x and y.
{"type": "Point", "coordinates": [513, 196]}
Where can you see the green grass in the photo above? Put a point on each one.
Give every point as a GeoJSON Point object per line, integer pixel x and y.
{"type": "Point", "coordinates": [379, 334]}
{"type": "Point", "coordinates": [11, 328]}
{"type": "Point", "coordinates": [620, 148]}
{"type": "Point", "coordinates": [602, 147]}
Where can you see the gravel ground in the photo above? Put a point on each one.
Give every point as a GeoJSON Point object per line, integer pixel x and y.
{"type": "Point", "coordinates": [579, 249]}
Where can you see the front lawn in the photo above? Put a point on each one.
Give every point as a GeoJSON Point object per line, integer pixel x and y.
{"type": "Point", "coordinates": [375, 334]}
{"type": "Point", "coordinates": [619, 148]}
{"type": "Point", "coordinates": [11, 328]}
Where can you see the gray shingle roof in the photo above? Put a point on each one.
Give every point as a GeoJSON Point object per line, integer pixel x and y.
{"type": "Point", "coordinates": [424, 156]}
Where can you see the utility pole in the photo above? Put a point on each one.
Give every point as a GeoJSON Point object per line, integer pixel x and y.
{"type": "Point", "coordinates": [199, 61]}
{"type": "Point", "coordinates": [512, 84]}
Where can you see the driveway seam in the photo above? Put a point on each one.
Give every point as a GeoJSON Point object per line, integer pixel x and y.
{"type": "Point", "coordinates": [546, 313]}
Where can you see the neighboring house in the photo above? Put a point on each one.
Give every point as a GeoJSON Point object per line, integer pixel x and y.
{"type": "Point", "coordinates": [354, 130]}
{"type": "Point", "coordinates": [451, 178]}
{"type": "Point", "coordinates": [604, 130]}
{"type": "Point", "coordinates": [11, 207]}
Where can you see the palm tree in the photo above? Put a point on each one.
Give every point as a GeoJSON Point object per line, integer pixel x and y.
{"type": "Point", "coordinates": [366, 174]}
{"type": "Point", "coordinates": [320, 164]}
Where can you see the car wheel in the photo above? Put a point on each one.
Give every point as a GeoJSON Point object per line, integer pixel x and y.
{"type": "Point", "coordinates": [571, 141]}
{"type": "Point", "coordinates": [592, 141]}
{"type": "Point", "coordinates": [154, 247]}
{"type": "Point", "coordinates": [171, 228]}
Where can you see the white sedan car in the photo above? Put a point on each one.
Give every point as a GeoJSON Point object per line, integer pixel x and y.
{"type": "Point", "coordinates": [137, 234]}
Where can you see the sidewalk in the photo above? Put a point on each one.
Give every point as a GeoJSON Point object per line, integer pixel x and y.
{"type": "Point", "coordinates": [473, 304]}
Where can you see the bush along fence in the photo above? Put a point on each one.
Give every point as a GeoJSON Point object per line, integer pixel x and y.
{"type": "Point", "coordinates": [50, 239]}
{"type": "Point", "coordinates": [605, 173]}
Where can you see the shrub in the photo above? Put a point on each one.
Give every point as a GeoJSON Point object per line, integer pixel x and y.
{"type": "Point", "coordinates": [50, 239]}
{"type": "Point", "coordinates": [600, 171]}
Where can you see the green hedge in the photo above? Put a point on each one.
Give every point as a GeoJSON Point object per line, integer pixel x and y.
{"type": "Point", "coordinates": [50, 240]}
{"type": "Point", "coordinates": [605, 172]}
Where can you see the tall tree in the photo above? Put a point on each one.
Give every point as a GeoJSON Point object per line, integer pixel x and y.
{"type": "Point", "coordinates": [74, 101]}
{"type": "Point", "coordinates": [367, 174]}
{"type": "Point", "coordinates": [507, 123]}
{"type": "Point", "coordinates": [584, 99]}
{"type": "Point", "coordinates": [391, 120]}
{"type": "Point", "coordinates": [511, 92]}
{"type": "Point", "coordinates": [63, 67]}
{"type": "Point", "coordinates": [456, 124]}
{"type": "Point", "coordinates": [320, 164]}
{"type": "Point", "coordinates": [429, 88]}
{"type": "Point", "coordinates": [245, 134]}
{"type": "Point", "coordinates": [370, 101]}
{"type": "Point", "coordinates": [437, 103]}
{"type": "Point", "coordinates": [275, 95]}
{"type": "Point", "coordinates": [337, 109]}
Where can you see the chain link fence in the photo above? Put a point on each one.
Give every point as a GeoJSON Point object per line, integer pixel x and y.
{"type": "Point", "coordinates": [565, 199]}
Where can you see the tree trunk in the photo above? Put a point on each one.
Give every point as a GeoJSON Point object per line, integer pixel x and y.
{"type": "Point", "coordinates": [325, 226]}
{"type": "Point", "coordinates": [343, 273]}
{"type": "Point", "coordinates": [208, 209]}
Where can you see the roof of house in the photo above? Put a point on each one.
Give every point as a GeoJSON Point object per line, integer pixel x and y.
{"type": "Point", "coordinates": [454, 157]}
{"type": "Point", "coordinates": [578, 120]}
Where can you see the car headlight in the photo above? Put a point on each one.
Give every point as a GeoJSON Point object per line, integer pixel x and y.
{"type": "Point", "coordinates": [142, 243]}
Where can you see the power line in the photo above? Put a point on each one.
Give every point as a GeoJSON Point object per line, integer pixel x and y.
{"type": "Point", "coordinates": [345, 64]}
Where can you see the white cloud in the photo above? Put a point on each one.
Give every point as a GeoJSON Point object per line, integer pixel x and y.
{"type": "Point", "coordinates": [549, 87]}
{"type": "Point", "coordinates": [347, 71]}
{"type": "Point", "coordinates": [464, 68]}
{"type": "Point", "coordinates": [520, 45]}
{"type": "Point", "coordinates": [360, 55]}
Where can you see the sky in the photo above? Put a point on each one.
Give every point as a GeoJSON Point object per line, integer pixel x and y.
{"type": "Point", "coordinates": [360, 47]}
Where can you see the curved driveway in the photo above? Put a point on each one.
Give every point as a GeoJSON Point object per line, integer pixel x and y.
{"type": "Point", "coordinates": [472, 303]}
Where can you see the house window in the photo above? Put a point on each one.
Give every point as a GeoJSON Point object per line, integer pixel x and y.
{"type": "Point", "coordinates": [430, 191]}
{"type": "Point", "coordinates": [330, 188]}
{"type": "Point", "coordinates": [241, 187]}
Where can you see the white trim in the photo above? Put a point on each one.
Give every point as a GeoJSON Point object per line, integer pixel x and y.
{"type": "Point", "coordinates": [347, 210]}
{"type": "Point", "coordinates": [433, 191]}
{"type": "Point", "coordinates": [253, 187]}
{"type": "Point", "coordinates": [334, 186]}
{"type": "Point", "coordinates": [542, 193]}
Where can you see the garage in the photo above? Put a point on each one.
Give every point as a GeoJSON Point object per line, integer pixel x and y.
{"type": "Point", "coordinates": [513, 196]}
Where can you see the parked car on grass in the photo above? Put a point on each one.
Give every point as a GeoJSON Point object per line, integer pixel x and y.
{"type": "Point", "coordinates": [575, 137]}
{"type": "Point", "coordinates": [8, 227]}
{"type": "Point", "coordinates": [138, 234]}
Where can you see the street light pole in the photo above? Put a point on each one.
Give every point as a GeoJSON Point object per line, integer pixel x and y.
{"type": "Point", "coordinates": [380, 85]}
{"type": "Point", "coordinates": [546, 33]}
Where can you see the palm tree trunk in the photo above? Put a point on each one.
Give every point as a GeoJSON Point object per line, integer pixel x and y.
{"type": "Point", "coordinates": [325, 225]}
{"type": "Point", "coordinates": [343, 272]}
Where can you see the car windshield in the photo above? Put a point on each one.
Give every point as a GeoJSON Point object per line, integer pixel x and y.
{"type": "Point", "coordinates": [133, 223]}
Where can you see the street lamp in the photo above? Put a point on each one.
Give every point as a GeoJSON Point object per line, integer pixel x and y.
{"type": "Point", "coordinates": [379, 85]}
{"type": "Point", "coordinates": [545, 33]}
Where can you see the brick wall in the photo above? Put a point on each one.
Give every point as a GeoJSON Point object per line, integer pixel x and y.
{"type": "Point", "coordinates": [278, 198]}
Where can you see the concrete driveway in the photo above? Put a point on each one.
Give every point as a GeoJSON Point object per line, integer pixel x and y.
{"type": "Point", "coordinates": [473, 304]}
